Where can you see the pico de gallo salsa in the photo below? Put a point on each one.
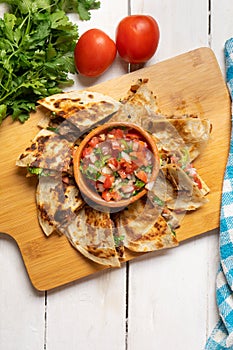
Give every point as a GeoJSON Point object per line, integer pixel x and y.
{"type": "Point", "coordinates": [117, 164]}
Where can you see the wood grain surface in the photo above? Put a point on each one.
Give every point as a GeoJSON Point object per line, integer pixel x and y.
{"type": "Point", "coordinates": [189, 83]}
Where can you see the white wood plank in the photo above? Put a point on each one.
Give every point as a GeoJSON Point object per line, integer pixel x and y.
{"type": "Point", "coordinates": [106, 19]}
{"type": "Point", "coordinates": [171, 294]}
{"type": "Point", "coordinates": [221, 27]}
{"type": "Point", "coordinates": [183, 25]}
{"type": "Point", "coordinates": [168, 299]}
{"type": "Point", "coordinates": [22, 308]}
{"type": "Point", "coordinates": [90, 314]}
{"type": "Point", "coordinates": [212, 267]}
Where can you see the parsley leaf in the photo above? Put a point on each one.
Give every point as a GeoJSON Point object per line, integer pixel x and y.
{"type": "Point", "coordinates": [37, 42]}
{"type": "Point", "coordinates": [118, 240]}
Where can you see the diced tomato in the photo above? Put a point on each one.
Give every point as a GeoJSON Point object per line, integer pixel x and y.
{"type": "Point", "coordinates": [132, 136]}
{"type": "Point", "coordinates": [142, 145]}
{"type": "Point", "coordinates": [128, 167]}
{"type": "Point", "coordinates": [109, 179]}
{"type": "Point", "coordinates": [141, 175]}
{"type": "Point", "coordinates": [117, 133]}
{"type": "Point", "coordinates": [94, 141]}
{"type": "Point", "coordinates": [106, 195]}
{"type": "Point", "coordinates": [115, 196]}
{"type": "Point", "coordinates": [197, 181]}
{"type": "Point", "coordinates": [113, 162]}
{"type": "Point", "coordinates": [86, 151]}
{"type": "Point", "coordinates": [122, 174]}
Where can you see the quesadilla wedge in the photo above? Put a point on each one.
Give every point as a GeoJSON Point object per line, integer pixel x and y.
{"type": "Point", "coordinates": [48, 150]}
{"type": "Point", "coordinates": [135, 106]}
{"type": "Point", "coordinates": [140, 95]}
{"type": "Point", "coordinates": [91, 234]}
{"type": "Point", "coordinates": [177, 189]}
{"type": "Point", "coordinates": [191, 133]}
{"type": "Point", "coordinates": [143, 227]}
{"type": "Point", "coordinates": [83, 109]}
{"type": "Point", "coordinates": [56, 202]}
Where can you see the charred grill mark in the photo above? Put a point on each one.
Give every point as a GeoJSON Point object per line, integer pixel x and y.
{"type": "Point", "coordinates": [22, 156]}
{"type": "Point", "coordinates": [60, 193]}
{"type": "Point", "coordinates": [94, 220]}
{"type": "Point", "coordinates": [62, 216]}
{"type": "Point", "coordinates": [159, 245]}
{"type": "Point", "coordinates": [158, 230]}
{"type": "Point", "coordinates": [104, 253]}
{"type": "Point", "coordinates": [43, 209]}
{"type": "Point", "coordinates": [32, 147]}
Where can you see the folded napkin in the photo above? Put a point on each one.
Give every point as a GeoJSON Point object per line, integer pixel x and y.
{"type": "Point", "coordinates": [222, 335]}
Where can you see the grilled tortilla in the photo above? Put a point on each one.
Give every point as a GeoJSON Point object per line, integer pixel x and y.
{"type": "Point", "coordinates": [146, 225]}
{"type": "Point", "coordinates": [92, 235]}
{"type": "Point", "coordinates": [140, 95]}
{"type": "Point", "coordinates": [48, 150]}
{"type": "Point", "coordinates": [81, 108]}
{"type": "Point", "coordinates": [56, 202]}
{"type": "Point", "coordinates": [78, 112]}
{"type": "Point", "coordinates": [143, 227]}
{"type": "Point", "coordinates": [191, 133]}
{"type": "Point", "coordinates": [184, 133]}
{"type": "Point", "coordinates": [177, 190]}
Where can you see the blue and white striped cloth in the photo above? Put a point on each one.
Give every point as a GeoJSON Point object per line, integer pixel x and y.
{"type": "Point", "coordinates": [221, 337]}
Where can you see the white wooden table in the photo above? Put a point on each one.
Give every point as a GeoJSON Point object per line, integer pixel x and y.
{"type": "Point", "coordinates": [159, 302]}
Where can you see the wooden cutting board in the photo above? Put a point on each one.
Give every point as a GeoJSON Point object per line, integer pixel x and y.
{"type": "Point", "coordinates": [189, 83]}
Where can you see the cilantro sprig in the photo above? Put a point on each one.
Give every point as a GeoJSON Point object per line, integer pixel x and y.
{"type": "Point", "coordinates": [37, 41]}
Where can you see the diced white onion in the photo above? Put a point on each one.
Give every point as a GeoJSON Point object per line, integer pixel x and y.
{"type": "Point", "coordinates": [115, 144]}
{"type": "Point", "coordinates": [93, 158]}
{"type": "Point", "coordinates": [127, 189]}
{"type": "Point", "coordinates": [107, 170]}
{"type": "Point", "coordinates": [125, 156]}
{"type": "Point", "coordinates": [100, 187]}
{"type": "Point", "coordinates": [127, 195]}
{"type": "Point", "coordinates": [148, 155]}
{"type": "Point", "coordinates": [101, 178]}
{"type": "Point", "coordinates": [150, 185]}
{"type": "Point", "coordinates": [112, 167]}
{"type": "Point", "coordinates": [135, 146]}
{"type": "Point", "coordinates": [93, 166]}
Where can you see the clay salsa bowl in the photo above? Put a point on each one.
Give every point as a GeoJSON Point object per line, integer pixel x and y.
{"type": "Point", "coordinates": [89, 188]}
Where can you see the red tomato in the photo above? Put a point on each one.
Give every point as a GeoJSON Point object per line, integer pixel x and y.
{"type": "Point", "coordinates": [109, 179]}
{"type": "Point", "coordinates": [113, 163]}
{"type": "Point", "coordinates": [122, 173]}
{"type": "Point", "coordinates": [94, 53]}
{"type": "Point", "coordinates": [137, 38]}
{"type": "Point", "coordinates": [198, 182]}
{"type": "Point", "coordinates": [115, 196]}
{"type": "Point", "coordinates": [117, 133]}
{"type": "Point", "coordinates": [128, 168]}
{"type": "Point", "coordinates": [106, 195]}
{"type": "Point", "coordinates": [87, 150]}
{"type": "Point", "coordinates": [94, 141]}
{"type": "Point", "coordinates": [132, 136]}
